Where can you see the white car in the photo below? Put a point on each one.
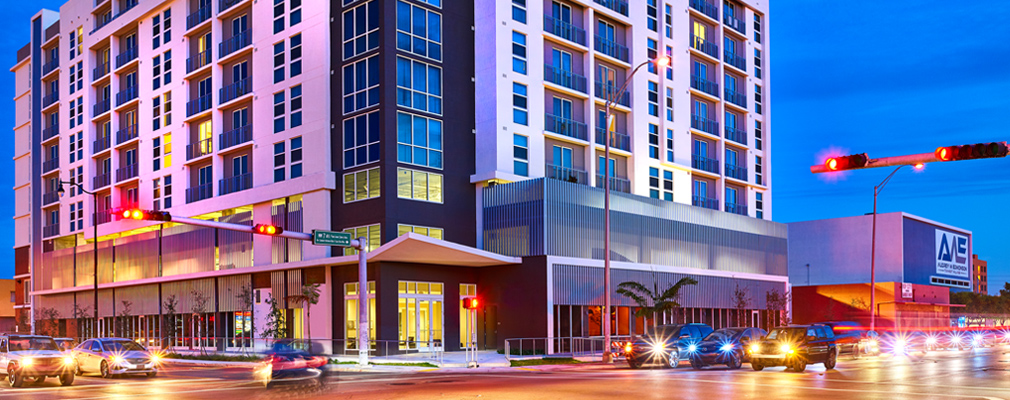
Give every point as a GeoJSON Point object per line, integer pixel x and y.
{"type": "Point", "coordinates": [34, 357]}
{"type": "Point", "coordinates": [115, 356]}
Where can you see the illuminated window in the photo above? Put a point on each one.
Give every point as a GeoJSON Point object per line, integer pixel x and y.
{"type": "Point", "coordinates": [371, 233]}
{"type": "Point", "coordinates": [418, 185]}
{"type": "Point", "coordinates": [436, 233]}
{"type": "Point", "coordinates": [362, 185]}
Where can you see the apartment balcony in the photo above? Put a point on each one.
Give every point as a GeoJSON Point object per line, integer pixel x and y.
{"type": "Point", "coordinates": [51, 230]}
{"type": "Point", "coordinates": [704, 124]}
{"type": "Point", "coordinates": [704, 85]}
{"type": "Point", "coordinates": [235, 43]}
{"type": "Point", "coordinates": [100, 181]}
{"type": "Point", "coordinates": [127, 6]}
{"type": "Point", "coordinates": [737, 98]}
{"type": "Point", "coordinates": [734, 23]}
{"type": "Point", "coordinates": [100, 71]}
{"type": "Point", "coordinates": [199, 149]}
{"type": "Point", "coordinates": [226, 4]}
{"type": "Point", "coordinates": [565, 126]}
{"type": "Point", "coordinates": [126, 95]}
{"type": "Point", "coordinates": [101, 144]}
{"type": "Point", "coordinates": [50, 198]}
{"type": "Point", "coordinates": [50, 66]}
{"type": "Point", "coordinates": [126, 56]}
{"type": "Point", "coordinates": [705, 202]}
{"type": "Point", "coordinates": [198, 61]}
{"type": "Point", "coordinates": [197, 17]}
{"type": "Point", "coordinates": [101, 21]}
{"type": "Point", "coordinates": [621, 6]}
{"type": "Point", "coordinates": [235, 90]}
{"type": "Point", "coordinates": [706, 164]}
{"type": "Point", "coordinates": [50, 131]}
{"type": "Point", "coordinates": [617, 140]}
{"type": "Point", "coordinates": [199, 105]}
{"type": "Point", "coordinates": [50, 98]}
{"type": "Point", "coordinates": [706, 8]}
{"type": "Point", "coordinates": [567, 174]}
{"type": "Point", "coordinates": [732, 59]}
{"type": "Point", "coordinates": [736, 172]}
{"type": "Point", "coordinates": [616, 184]}
{"type": "Point", "coordinates": [50, 164]}
{"type": "Point", "coordinates": [610, 48]}
{"type": "Point", "coordinates": [736, 135]}
{"type": "Point", "coordinates": [102, 107]}
{"type": "Point", "coordinates": [705, 46]}
{"type": "Point", "coordinates": [235, 137]}
{"type": "Point", "coordinates": [126, 134]}
{"type": "Point", "coordinates": [199, 192]}
{"type": "Point", "coordinates": [127, 172]}
{"type": "Point", "coordinates": [605, 91]}
{"type": "Point", "coordinates": [564, 30]}
{"type": "Point", "coordinates": [734, 208]}
{"type": "Point", "coordinates": [565, 78]}
{"type": "Point", "coordinates": [102, 217]}
{"type": "Point", "coordinates": [235, 184]}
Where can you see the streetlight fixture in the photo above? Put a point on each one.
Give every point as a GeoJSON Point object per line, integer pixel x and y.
{"type": "Point", "coordinates": [608, 120]}
{"type": "Point", "coordinates": [94, 223]}
{"type": "Point", "coordinates": [873, 245]}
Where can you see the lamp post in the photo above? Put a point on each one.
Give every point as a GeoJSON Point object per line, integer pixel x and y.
{"type": "Point", "coordinates": [612, 97]}
{"type": "Point", "coordinates": [873, 246]}
{"type": "Point", "coordinates": [94, 223]}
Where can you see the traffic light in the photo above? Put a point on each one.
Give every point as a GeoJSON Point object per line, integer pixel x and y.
{"type": "Point", "coordinates": [145, 215]}
{"type": "Point", "coordinates": [847, 162]}
{"type": "Point", "coordinates": [266, 229]}
{"type": "Point", "coordinates": [471, 303]}
{"type": "Point", "coordinates": [971, 151]}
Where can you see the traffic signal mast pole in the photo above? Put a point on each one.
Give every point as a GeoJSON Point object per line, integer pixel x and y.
{"type": "Point", "coordinates": [911, 159]}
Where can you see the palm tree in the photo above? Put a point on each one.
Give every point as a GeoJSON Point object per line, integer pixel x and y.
{"type": "Point", "coordinates": [653, 302]}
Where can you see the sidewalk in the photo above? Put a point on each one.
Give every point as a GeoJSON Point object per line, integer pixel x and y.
{"type": "Point", "coordinates": [455, 359]}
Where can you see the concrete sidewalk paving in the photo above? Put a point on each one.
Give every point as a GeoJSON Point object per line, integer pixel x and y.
{"type": "Point", "coordinates": [450, 360]}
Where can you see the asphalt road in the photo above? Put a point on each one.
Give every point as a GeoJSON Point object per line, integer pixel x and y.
{"type": "Point", "coordinates": [948, 375]}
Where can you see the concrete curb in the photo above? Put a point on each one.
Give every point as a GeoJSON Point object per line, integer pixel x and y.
{"type": "Point", "coordinates": [208, 363]}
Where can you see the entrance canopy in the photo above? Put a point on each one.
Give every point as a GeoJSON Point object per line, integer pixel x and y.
{"type": "Point", "coordinates": [420, 249]}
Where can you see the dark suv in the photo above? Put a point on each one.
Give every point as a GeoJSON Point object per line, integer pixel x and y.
{"type": "Point", "coordinates": [660, 345]}
{"type": "Point", "coordinates": [795, 347]}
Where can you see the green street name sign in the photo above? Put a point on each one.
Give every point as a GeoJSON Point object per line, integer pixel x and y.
{"type": "Point", "coordinates": [329, 238]}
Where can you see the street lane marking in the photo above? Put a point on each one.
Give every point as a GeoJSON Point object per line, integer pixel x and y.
{"type": "Point", "coordinates": [100, 386]}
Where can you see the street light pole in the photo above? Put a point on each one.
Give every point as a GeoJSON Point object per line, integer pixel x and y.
{"type": "Point", "coordinates": [873, 247]}
{"type": "Point", "coordinates": [94, 223]}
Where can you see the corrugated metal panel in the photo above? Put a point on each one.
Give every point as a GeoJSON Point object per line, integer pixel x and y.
{"type": "Point", "coordinates": [63, 303]}
{"type": "Point", "coordinates": [228, 289]}
{"type": "Point", "coordinates": [235, 248]}
{"type": "Point", "coordinates": [294, 283]}
{"type": "Point", "coordinates": [137, 257]}
{"type": "Point", "coordinates": [294, 223]}
{"type": "Point", "coordinates": [143, 299]}
{"type": "Point", "coordinates": [277, 252]}
{"type": "Point", "coordinates": [106, 270]}
{"type": "Point", "coordinates": [188, 249]}
{"type": "Point", "coordinates": [184, 292]}
{"type": "Point", "coordinates": [85, 301]}
{"type": "Point", "coordinates": [105, 303]}
{"type": "Point", "coordinates": [277, 287]}
{"type": "Point", "coordinates": [513, 218]}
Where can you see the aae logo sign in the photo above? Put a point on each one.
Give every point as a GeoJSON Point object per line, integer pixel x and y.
{"type": "Point", "coordinates": [952, 254]}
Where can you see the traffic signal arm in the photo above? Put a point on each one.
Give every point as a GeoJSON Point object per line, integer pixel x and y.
{"type": "Point", "coordinates": [911, 159]}
{"type": "Point", "coordinates": [238, 227]}
{"type": "Point", "coordinates": [944, 153]}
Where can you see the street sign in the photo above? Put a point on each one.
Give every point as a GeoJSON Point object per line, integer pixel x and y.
{"type": "Point", "coordinates": [329, 238]}
{"type": "Point", "coordinates": [907, 291]}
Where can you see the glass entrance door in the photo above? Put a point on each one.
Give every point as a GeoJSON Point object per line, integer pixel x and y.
{"type": "Point", "coordinates": [421, 316]}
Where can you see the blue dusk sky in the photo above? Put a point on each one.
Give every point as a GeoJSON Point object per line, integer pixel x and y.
{"type": "Point", "coordinates": [882, 77]}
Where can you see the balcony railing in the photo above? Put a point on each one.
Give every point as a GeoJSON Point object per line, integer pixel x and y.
{"type": "Point", "coordinates": [617, 140]}
{"type": "Point", "coordinates": [564, 30]}
{"type": "Point", "coordinates": [235, 90]}
{"type": "Point", "coordinates": [197, 17]}
{"type": "Point", "coordinates": [704, 124]}
{"type": "Point", "coordinates": [705, 46]}
{"type": "Point", "coordinates": [127, 172]}
{"type": "Point", "coordinates": [734, 208]}
{"type": "Point", "coordinates": [704, 163]}
{"type": "Point", "coordinates": [126, 134]}
{"type": "Point", "coordinates": [616, 184]}
{"type": "Point", "coordinates": [198, 61]}
{"type": "Point", "coordinates": [736, 172]}
{"type": "Point", "coordinates": [567, 174]}
{"type": "Point", "coordinates": [50, 198]}
{"type": "Point", "coordinates": [51, 230]}
{"type": "Point", "coordinates": [705, 85]}
{"type": "Point", "coordinates": [102, 106]}
{"type": "Point", "coordinates": [621, 6]}
{"type": "Point", "coordinates": [610, 48]}
{"type": "Point", "coordinates": [705, 202]}
{"type": "Point", "coordinates": [126, 56]}
{"type": "Point", "coordinates": [127, 6]}
{"type": "Point", "coordinates": [235, 137]}
{"type": "Point", "coordinates": [734, 23]}
{"type": "Point", "coordinates": [199, 149]}
{"type": "Point", "coordinates": [50, 131]}
{"type": "Point", "coordinates": [125, 95]}
{"type": "Point", "coordinates": [102, 217]}
{"type": "Point", "coordinates": [736, 135]}
{"type": "Point", "coordinates": [101, 144]}
{"type": "Point", "coordinates": [50, 164]}
{"type": "Point", "coordinates": [234, 43]}
{"type": "Point", "coordinates": [735, 60]}
{"type": "Point", "coordinates": [235, 184]}
{"type": "Point", "coordinates": [226, 4]}
{"type": "Point", "coordinates": [199, 192]}
{"type": "Point", "coordinates": [605, 91]}
{"type": "Point", "coordinates": [737, 98]}
{"type": "Point", "coordinates": [100, 181]}
{"type": "Point", "coordinates": [565, 78]}
{"type": "Point", "coordinates": [706, 8]}
{"type": "Point", "coordinates": [565, 126]}
{"type": "Point", "coordinates": [199, 105]}
{"type": "Point", "coordinates": [50, 66]}
{"type": "Point", "coordinates": [102, 20]}
{"type": "Point", "coordinates": [100, 71]}
{"type": "Point", "coordinates": [50, 98]}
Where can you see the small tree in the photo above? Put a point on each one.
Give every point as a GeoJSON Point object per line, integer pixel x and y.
{"type": "Point", "coordinates": [169, 321]}
{"type": "Point", "coordinates": [245, 299]}
{"type": "Point", "coordinates": [308, 298]}
{"type": "Point", "coordinates": [199, 308]}
{"type": "Point", "coordinates": [123, 318]}
{"type": "Point", "coordinates": [48, 322]}
{"type": "Point", "coordinates": [653, 302]}
{"type": "Point", "coordinates": [82, 315]}
{"type": "Point", "coordinates": [741, 301]}
{"type": "Point", "coordinates": [275, 326]}
{"type": "Point", "coordinates": [860, 303]}
{"type": "Point", "coordinates": [778, 302]}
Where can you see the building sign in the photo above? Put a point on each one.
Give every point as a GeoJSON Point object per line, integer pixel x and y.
{"type": "Point", "coordinates": [906, 291]}
{"type": "Point", "coordinates": [952, 254]}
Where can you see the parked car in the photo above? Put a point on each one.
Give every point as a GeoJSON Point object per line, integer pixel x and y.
{"type": "Point", "coordinates": [724, 346]}
{"type": "Point", "coordinates": [795, 347]}
{"type": "Point", "coordinates": [292, 362]}
{"type": "Point", "coordinates": [34, 357]}
{"type": "Point", "coordinates": [110, 357]}
{"type": "Point", "coordinates": [851, 338]}
{"type": "Point", "coordinates": [661, 345]}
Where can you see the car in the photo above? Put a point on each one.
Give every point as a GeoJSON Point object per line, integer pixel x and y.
{"type": "Point", "coordinates": [903, 343]}
{"type": "Point", "coordinates": [110, 357]}
{"type": "Point", "coordinates": [982, 337]}
{"type": "Point", "coordinates": [661, 344]}
{"type": "Point", "coordinates": [723, 346]}
{"type": "Point", "coordinates": [954, 339]}
{"type": "Point", "coordinates": [34, 357]}
{"type": "Point", "coordinates": [294, 362]}
{"type": "Point", "coordinates": [853, 339]}
{"type": "Point", "coordinates": [795, 347]}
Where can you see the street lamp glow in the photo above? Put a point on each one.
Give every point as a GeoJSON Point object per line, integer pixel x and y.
{"type": "Point", "coordinates": [663, 61]}
{"type": "Point", "coordinates": [920, 166]}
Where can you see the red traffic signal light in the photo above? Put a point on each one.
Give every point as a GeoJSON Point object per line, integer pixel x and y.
{"type": "Point", "coordinates": [972, 151]}
{"type": "Point", "coordinates": [471, 303]}
{"type": "Point", "coordinates": [266, 229]}
{"type": "Point", "coordinates": [145, 215]}
{"type": "Point", "coordinates": [847, 162]}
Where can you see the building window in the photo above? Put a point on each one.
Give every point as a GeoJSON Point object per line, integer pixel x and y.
{"type": "Point", "coordinates": [161, 28]}
{"type": "Point", "coordinates": [653, 141]}
{"type": "Point", "coordinates": [296, 12]}
{"type": "Point", "coordinates": [296, 157]}
{"type": "Point", "coordinates": [361, 29]}
{"type": "Point", "coordinates": [418, 185]}
{"type": "Point", "coordinates": [76, 178]}
{"type": "Point", "coordinates": [418, 140]}
{"type": "Point", "coordinates": [757, 28]}
{"type": "Point", "coordinates": [418, 85]}
{"type": "Point", "coordinates": [351, 297]}
{"type": "Point", "coordinates": [76, 146]}
{"type": "Point", "coordinates": [296, 106]}
{"type": "Point", "coordinates": [418, 31]}
{"type": "Point", "coordinates": [371, 233]}
{"type": "Point", "coordinates": [162, 108]}
{"type": "Point", "coordinates": [295, 43]}
{"type": "Point", "coordinates": [654, 182]}
{"type": "Point", "coordinates": [520, 113]}
{"type": "Point", "coordinates": [651, 13]}
{"type": "Point", "coordinates": [361, 139]}
{"type": "Point", "coordinates": [362, 185]}
{"type": "Point", "coordinates": [652, 50]}
{"type": "Point", "coordinates": [757, 63]}
{"type": "Point", "coordinates": [162, 151]}
{"type": "Point", "coordinates": [156, 193]}
{"type": "Point", "coordinates": [361, 84]}
{"type": "Point", "coordinates": [519, 52]}
{"type": "Point", "coordinates": [759, 204]}
{"type": "Point", "coordinates": [758, 171]}
{"type": "Point", "coordinates": [162, 70]}
{"type": "Point", "coordinates": [669, 104]}
{"type": "Point", "coordinates": [520, 151]}
{"type": "Point", "coordinates": [76, 112]}
{"type": "Point", "coordinates": [669, 68]}
{"type": "Point", "coordinates": [667, 185]}
{"type": "Point", "coordinates": [279, 161]}
{"type": "Point", "coordinates": [669, 145]}
{"type": "Point", "coordinates": [757, 99]}
{"type": "Point", "coordinates": [76, 78]}
{"type": "Point", "coordinates": [279, 111]}
{"type": "Point", "coordinates": [436, 233]}
{"type": "Point", "coordinates": [279, 61]}
{"type": "Point", "coordinates": [76, 42]}
{"type": "Point", "coordinates": [668, 18]}
{"type": "Point", "coordinates": [278, 16]}
{"type": "Point", "coordinates": [653, 99]}
{"type": "Point", "coordinates": [519, 10]}
{"type": "Point", "coordinates": [757, 135]}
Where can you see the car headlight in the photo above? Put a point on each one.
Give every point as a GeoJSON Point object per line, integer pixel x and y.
{"type": "Point", "coordinates": [155, 358]}
{"type": "Point", "coordinates": [755, 348]}
{"type": "Point", "coordinates": [931, 340]}
{"type": "Point", "coordinates": [787, 349]}
{"type": "Point", "coordinates": [68, 360]}
{"type": "Point", "coordinates": [116, 359]}
{"type": "Point", "coordinates": [727, 347]}
{"type": "Point", "coordinates": [899, 345]}
{"type": "Point", "coordinates": [692, 348]}
{"type": "Point", "coordinates": [27, 361]}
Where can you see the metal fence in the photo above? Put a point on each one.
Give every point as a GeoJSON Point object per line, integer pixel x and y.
{"type": "Point", "coordinates": [534, 348]}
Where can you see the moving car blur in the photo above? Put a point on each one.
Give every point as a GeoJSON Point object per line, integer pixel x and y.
{"type": "Point", "coordinates": [292, 362]}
